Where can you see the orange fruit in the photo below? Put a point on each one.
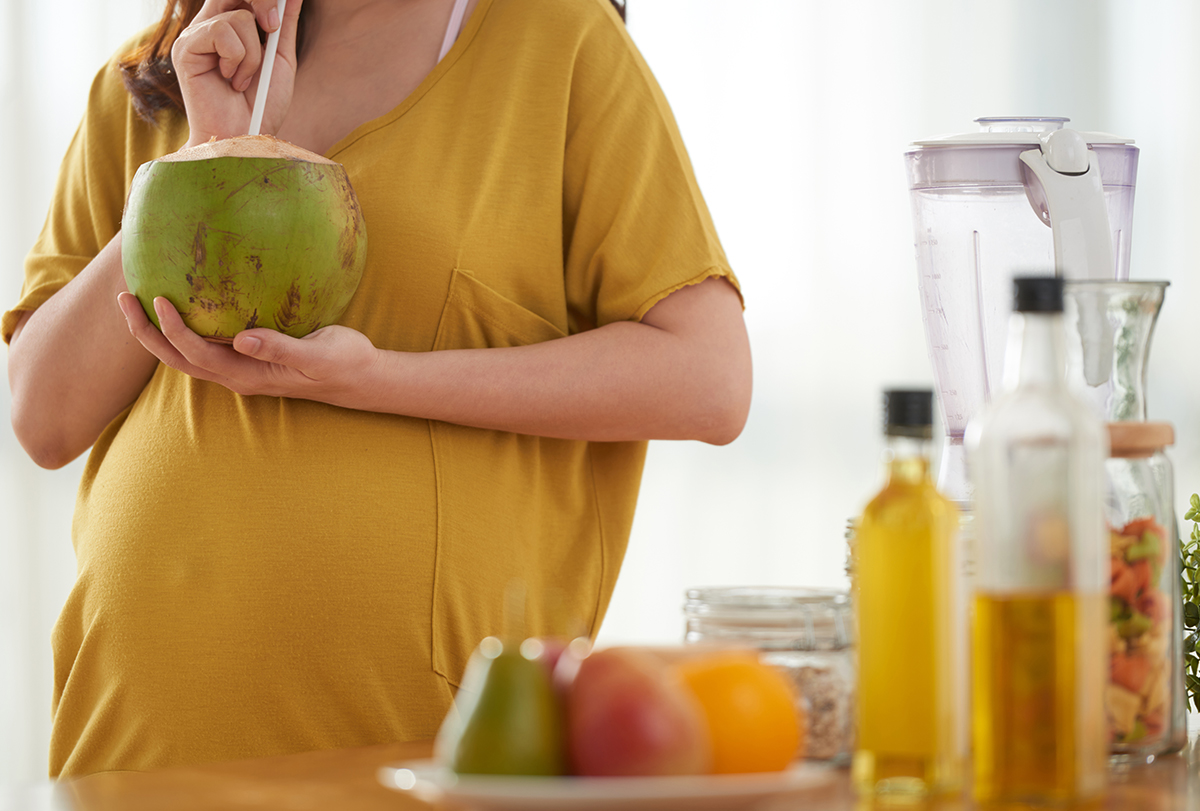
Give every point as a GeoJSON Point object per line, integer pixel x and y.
{"type": "Point", "coordinates": [751, 710]}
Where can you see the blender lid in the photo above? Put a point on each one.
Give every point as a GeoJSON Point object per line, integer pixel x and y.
{"type": "Point", "coordinates": [1015, 130]}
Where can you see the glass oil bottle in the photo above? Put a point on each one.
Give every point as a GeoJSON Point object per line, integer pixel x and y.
{"type": "Point", "coordinates": [911, 687]}
{"type": "Point", "coordinates": [1036, 457]}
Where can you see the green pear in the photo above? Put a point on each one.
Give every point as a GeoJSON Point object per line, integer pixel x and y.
{"type": "Point", "coordinates": [506, 718]}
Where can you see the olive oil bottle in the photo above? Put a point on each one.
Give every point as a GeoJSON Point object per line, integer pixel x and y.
{"type": "Point", "coordinates": [1036, 456]}
{"type": "Point", "coordinates": [910, 676]}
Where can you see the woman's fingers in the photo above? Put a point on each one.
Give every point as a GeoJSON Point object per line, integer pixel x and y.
{"type": "Point", "coordinates": [270, 346]}
{"type": "Point", "coordinates": [161, 343]}
{"type": "Point", "coordinates": [204, 359]}
{"type": "Point", "coordinates": [141, 328]}
{"type": "Point", "coordinates": [228, 43]}
{"type": "Point", "coordinates": [265, 12]}
{"type": "Point", "coordinates": [228, 29]}
{"type": "Point", "coordinates": [234, 370]}
{"type": "Point", "coordinates": [242, 24]}
{"type": "Point", "coordinates": [264, 361]}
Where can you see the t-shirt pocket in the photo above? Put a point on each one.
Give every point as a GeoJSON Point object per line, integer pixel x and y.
{"type": "Point", "coordinates": [510, 507]}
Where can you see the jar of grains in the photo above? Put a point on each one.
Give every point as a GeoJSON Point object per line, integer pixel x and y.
{"type": "Point", "coordinates": [806, 633]}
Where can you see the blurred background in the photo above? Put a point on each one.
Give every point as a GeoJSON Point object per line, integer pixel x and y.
{"type": "Point", "coordinates": [796, 114]}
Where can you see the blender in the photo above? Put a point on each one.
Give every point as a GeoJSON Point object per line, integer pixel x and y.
{"type": "Point", "coordinates": [1023, 194]}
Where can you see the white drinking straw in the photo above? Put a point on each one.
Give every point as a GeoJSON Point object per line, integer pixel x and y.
{"type": "Point", "coordinates": [264, 76]}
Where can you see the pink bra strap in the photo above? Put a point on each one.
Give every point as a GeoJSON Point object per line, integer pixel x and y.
{"type": "Point", "coordinates": [456, 21]}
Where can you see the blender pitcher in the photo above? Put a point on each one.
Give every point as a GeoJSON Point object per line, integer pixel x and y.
{"type": "Point", "coordinates": [1021, 195]}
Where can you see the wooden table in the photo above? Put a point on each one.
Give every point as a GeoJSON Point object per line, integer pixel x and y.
{"type": "Point", "coordinates": [345, 780]}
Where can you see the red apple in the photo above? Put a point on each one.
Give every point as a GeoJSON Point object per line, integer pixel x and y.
{"type": "Point", "coordinates": [629, 714]}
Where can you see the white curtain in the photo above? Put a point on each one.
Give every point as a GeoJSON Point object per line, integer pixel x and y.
{"type": "Point", "coordinates": [49, 53]}
{"type": "Point", "coordinates": [795, 113]}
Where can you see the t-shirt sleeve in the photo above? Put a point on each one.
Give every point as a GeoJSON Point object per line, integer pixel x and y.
{"type": "Point", "coordinates": [635, 224]}
{"type": "Point", "coordinates": [85, 212]}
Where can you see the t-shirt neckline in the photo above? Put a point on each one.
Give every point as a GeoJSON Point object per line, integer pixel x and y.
{"type": "Point", "coordinates": [466, 35]}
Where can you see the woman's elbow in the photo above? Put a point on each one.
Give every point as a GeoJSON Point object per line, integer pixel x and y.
{"type": "Point", "coordinates": [46, 455]}
{"type": "Point", "coordinates": [725, 422]}
{"type": "Point", "coordinates": [725, 406]}
{"type": "Point", "coordinates": [47, 448]}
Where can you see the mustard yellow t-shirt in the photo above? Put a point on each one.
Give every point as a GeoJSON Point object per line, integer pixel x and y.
{"type": "Point", "coordinates": [260, 575]}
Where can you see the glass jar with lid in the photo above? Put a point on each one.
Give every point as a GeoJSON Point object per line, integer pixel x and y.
{"type": "Point", "coordinates": [806, 633]}
{"type": "Point", "coordinates": [1144, 698]}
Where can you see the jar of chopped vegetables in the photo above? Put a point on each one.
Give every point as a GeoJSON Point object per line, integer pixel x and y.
{"type": "Point", "coordinates": [1144, 697]}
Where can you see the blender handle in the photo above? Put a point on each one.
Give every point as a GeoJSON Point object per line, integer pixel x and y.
{"type": "Point", "coordinates": [1069, 173]}
{"type": "Point", "coordinates": [1083, 247]}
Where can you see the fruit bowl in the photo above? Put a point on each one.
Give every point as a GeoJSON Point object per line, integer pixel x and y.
{"type": "Point", "coordinates": [425, 780]}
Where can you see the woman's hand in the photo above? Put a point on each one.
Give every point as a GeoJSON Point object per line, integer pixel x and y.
{"type": "Point", "coordinates": [683, 372]}
{"type": "Point", "coordinates": [326, 365]}
{"type": "Point", "coordinates": [217, 59]}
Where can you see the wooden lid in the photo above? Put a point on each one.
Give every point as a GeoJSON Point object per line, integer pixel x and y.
{"type": "Point", "coordinates": [1139, 439]}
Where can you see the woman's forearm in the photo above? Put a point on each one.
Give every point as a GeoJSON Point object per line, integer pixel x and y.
{"type": "Point", "coordinates": [682, 373]}
{"type": "Point", "coordinates": [624, 381]}
{"type": "Point", "coordinates": [73, 366]}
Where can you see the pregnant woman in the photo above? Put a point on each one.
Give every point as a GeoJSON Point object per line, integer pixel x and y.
{"type": "Point", "coordinates": [292, 544]}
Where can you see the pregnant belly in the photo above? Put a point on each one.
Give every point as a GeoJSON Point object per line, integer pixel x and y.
{"type": "Point", "coordinates": [254, 577]}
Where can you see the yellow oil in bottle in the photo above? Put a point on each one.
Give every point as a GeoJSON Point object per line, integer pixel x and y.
{"type": "Point", "coordinates": [909, 683]}
{"type": "Point", "coordinates": [1032, 742]}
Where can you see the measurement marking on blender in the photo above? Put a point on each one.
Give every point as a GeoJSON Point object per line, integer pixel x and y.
{"type": "Point", "coordinates": [983, 348]}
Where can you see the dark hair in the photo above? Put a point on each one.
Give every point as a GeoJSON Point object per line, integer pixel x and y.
{"type": "Point", "coordinates": [149, 75]}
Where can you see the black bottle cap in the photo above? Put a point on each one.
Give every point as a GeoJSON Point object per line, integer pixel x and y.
{"type": "Point", "coordinates": [908, 412]}
{"type": "Point", "coordinates": [1037, 294]}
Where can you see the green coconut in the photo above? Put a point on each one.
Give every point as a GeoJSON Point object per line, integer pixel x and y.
{"type": "Point", "coordinates": [244, 232]}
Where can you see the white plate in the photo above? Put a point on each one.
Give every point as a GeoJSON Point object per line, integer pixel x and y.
{"type": "Point", "coordinates": [426, 781]}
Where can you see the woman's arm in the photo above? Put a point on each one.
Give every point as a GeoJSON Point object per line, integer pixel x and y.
{"type": "Point", "coordinates": [73, 366]}
{"type": "Point", "coordinates": [683, 372]}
